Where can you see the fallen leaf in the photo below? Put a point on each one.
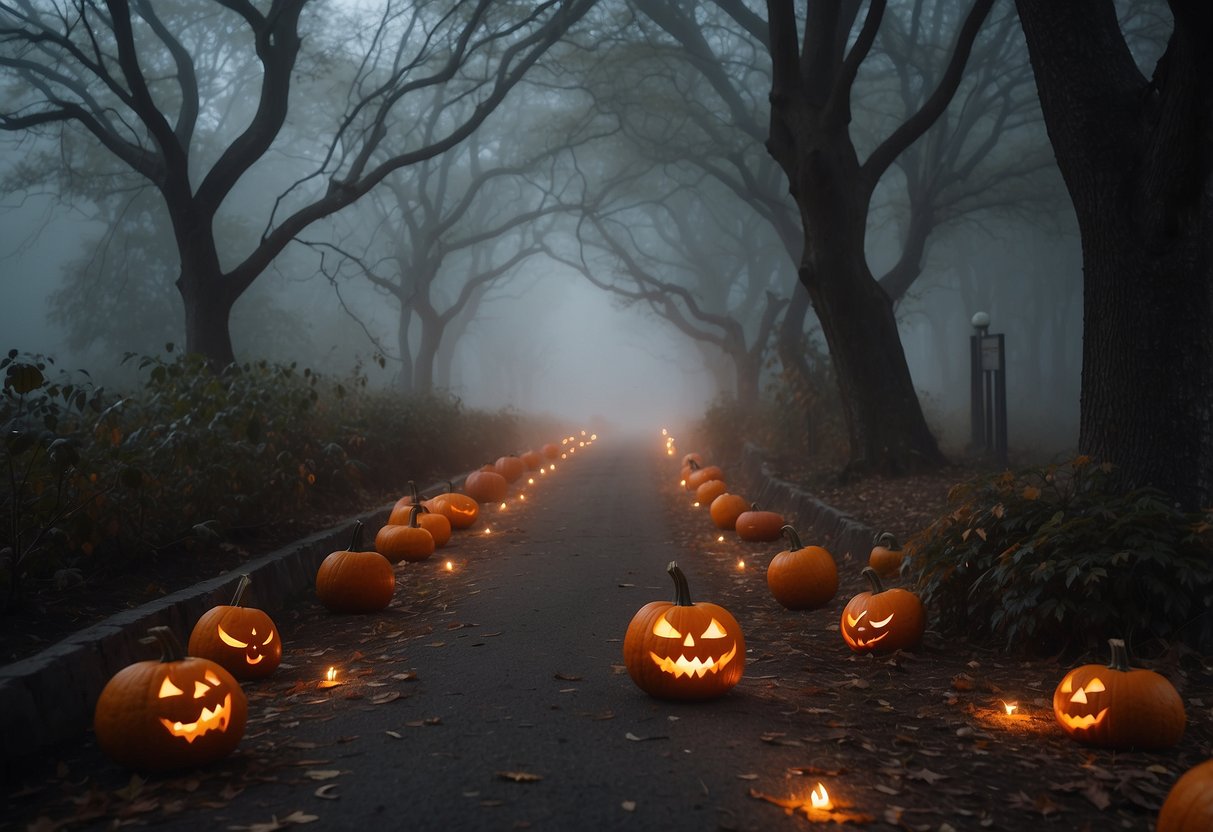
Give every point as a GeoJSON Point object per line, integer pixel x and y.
{"type": "Point", "coordinates": [327, 792]}
{"type": "Point", "coordinates": [322, 774]}
{"type": "Point", "coordinates": [628, 805]}
{"type": "Point", "coordinates": [519, 776]}
{"type": "Point", "coordinates": [630, 736]}
{"type": "Point", "coordinates": [384, 698]}
{"type": "Point", "coordinates": [567, 678]}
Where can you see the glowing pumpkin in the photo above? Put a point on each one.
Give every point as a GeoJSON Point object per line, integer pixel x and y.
{"type": "Point", "coordinates": [725, 510]}
{"type": "Point", "coordinates": [486, 486]}
{"type": "Point", "coordinates": [802, 577]}
{"type": "Point", "coordinates": [684, 650]}
{"type": "Point", "coordinates": [1189, 804]}
{"type": "Point", "coordinates": [242, 639]}
{"type": "Point", "coordinates": [886, 555]}
{"type": "Point", "coordinates": [882, 620]}
{"type": "Point", "coordinates": [756, 525]}
{"type": "Point", "coordinates": [352, 581]}
{"type": "Point", "coordinates": [174, 713]}
{"type": "Point", "coordinates": [460, 509]}
{"type": "Point", "coordinates": [1119, 707]}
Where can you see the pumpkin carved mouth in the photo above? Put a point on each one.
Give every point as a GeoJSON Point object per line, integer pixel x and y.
{"type": "Point", "coordinates": [208, 720]}
{"type": "Point", "coordinates": [1083, 722]}
{"type": "Point", "coordinates": [682, 666]}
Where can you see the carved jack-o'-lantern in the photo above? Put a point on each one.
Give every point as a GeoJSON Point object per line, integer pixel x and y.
{"type": "Point", "coordinates": [172, 713]}
{"type": "Point", "coordinates": [684, 650]}
{"type": "Point", "coordinates": [882, 620]}
{"type": "Point", "coordinates": [242, 639]}
{"type": "Point", "coordinates": [1117, 706]}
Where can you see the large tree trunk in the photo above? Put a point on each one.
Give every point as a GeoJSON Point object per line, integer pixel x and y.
{"type": "Point", "coordinates": [1137, 158]}
{"type": "Point", "coordinates": [208, 305]}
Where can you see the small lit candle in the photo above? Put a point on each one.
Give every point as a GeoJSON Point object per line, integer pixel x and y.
{"type": "Point", "coordinates": [1011, 707]}
{"type": "Point", "coordinates": [664, 432]}
{"type": "Point", "coordinates": [530, 480]}
{"type": "Point", "coordinates": [720, 539]}
{"type": "Point", "coordinates": [450, 566]}
{"type": "Point", "coordinates": [683, 483]}
{"type": "Point", "coordinates": [695, 504]}
{"type": "Point", "coordinates": [330, 679]}
{"type": "Point", "coordinates": [502, 506]}
{"type": "Point", "coordinates": [593, 437]}
{"type": "Point", "coordinates": [740, 564]}
{"type": "Point", "coordinates": [487, 530]}
{"type": "Point", "coordinates": [820, 798]}
{"type": "Point", "coordinates": [522, 497]}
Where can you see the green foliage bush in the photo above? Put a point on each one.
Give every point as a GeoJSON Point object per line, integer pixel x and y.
{"type": "Point", "coordinates": [1054, 558]}
{"type": "Point", "coordinates": [95, 481]}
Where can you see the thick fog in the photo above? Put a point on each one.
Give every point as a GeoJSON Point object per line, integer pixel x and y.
{"type": "Point", "coordinates": [613, 243]}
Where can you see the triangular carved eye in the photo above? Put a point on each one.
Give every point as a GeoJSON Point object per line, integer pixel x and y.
{"type": "Point", "coordinates": [665, 629]}
{"type": "Point", "coordinates": [200, 689]}
{"type": "Point", "coordinates": [1094, 686]}
{"type": "Point", "coordinates": [211, 677]}
{"type": "Point", "coordinates": [714, 630]}
{"type": "Point", "coordinates": [167, 689]}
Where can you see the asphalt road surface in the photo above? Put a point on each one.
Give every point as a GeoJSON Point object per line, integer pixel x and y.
{"type": "Point", "coordinates": [494, 696]}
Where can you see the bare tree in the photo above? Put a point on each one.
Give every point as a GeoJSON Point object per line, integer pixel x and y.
{"type": "Point", "coordinates": [122, 72]}
{"type": "Point", "coordinates": [1136, 153]}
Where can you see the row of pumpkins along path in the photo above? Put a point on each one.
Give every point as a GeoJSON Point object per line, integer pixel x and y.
{"type": "Point", "coordinates": [1114, 706]}
{"type": "Point", "coordinates": [188, 709]}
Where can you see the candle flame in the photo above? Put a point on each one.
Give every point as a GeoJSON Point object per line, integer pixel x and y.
{"type": "Point", "coordinates": [820, 798]}
{"type": "Point", "coordinates": [331, 675]}
{"type": "Point", "coordinates": [683, 483]}
{"type": "Point", "coordinates": [502, 506]}
{"type": "Point", "coordinates": [487, 530]}
{"type": "Point", "coordinates": [740, 564]}
{"type": "Point", "coordinates": [664, 432]}
{"type": "Point", "coordinates": [695, 504]}
{"type": "Point", "coordinates": [521, 496]}
{"type": "Point", "coordinates": [593, 437]}
{"type": "Point", "coordinates": [1010, 706]}
{"type": "Point", "coordinates": [530, 481]}
{"type": "Point", "coordinates": [450, 567]}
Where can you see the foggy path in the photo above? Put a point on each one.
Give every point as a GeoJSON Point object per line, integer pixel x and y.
{"type": "Point", "coordinates": [518, 669]}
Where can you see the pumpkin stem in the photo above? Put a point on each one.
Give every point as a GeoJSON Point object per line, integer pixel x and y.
{"type": "Point", "coordinates": [170, 646]}
{"type": "Point", "coordinates": [793, 538]}
{"type": "Point", "coordinates": [873, 579]}
{"type": "Point", "coordinates": [693, 465]}
{"type": "Point", "coordinates": [682, 590]}
{"type": "Point", "coordinates": [413, 492]}
{"type": "Point", "coordinates": [417, 509]}
{"type": "Point", "coordinates": [881, 537]}
{"type": "Point", "coordinates": [1120, 655]}
{"type": "Point", "coordinates": [241, 588]}
{"type": "Point", "coordinates": [356, 541]}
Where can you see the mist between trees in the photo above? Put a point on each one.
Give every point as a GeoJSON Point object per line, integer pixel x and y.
{"type": "Point", "coordinates": [569, 205]}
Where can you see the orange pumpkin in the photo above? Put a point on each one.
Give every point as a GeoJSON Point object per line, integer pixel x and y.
{"type": "Point", "coordinates": [551, 450]}
{"type": "Point", "coordinates": [882, 620]}
{"type": "Point", "coordinates": [886, 556]}
{"type": "Point", "coordinates": [460, 509]}
{"type": "Point", "coordinates": [699, 476]}
{"type": "Point", "coordinates": [758, 525]}
{"type": "Point", "coordinates": [242, 639]}
{"type": "Point", "coordinates": [802, 577]}
{"type": "Point", "coordinates": [532, 460]}
{"type": "Point", "coordinates": [411, 542]}
{"type": "Point", "coordinates": [709, 491]}
{"type": "Point", "coordinates": [684, 650]}
{"type": "Point", "coordinates": [511, 467]}
{"type": "Point", "coordinates": [354, 581]}
{"type": "Point", "coordinates": [1118, 706]}
{"type": "Point", "coordinates": [725, 510]}
{"type": "Point", "coordinates": [486, 486]}
{"type": "Point", "coordinates": [1189, 804]}
{"type": "Point", "coordinates": [174, 713]}
{"type": "Point", "coordinates": [687, 459]}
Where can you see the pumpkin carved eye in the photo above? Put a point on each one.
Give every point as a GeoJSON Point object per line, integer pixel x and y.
{"type": "Point", "coordinates": [230, 640]}
{"type": "Point", "coordinates": [714, 630]}
{"type": "Point", "coordinates": [665, 629]}
{"type": "Point", "coordinates": [167, 689]}
{"type": "Point", "coordinates": [882, 622]}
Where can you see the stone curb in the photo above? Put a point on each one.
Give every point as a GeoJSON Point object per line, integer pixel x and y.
{"type": "Point", "coordinates": [818, 523]}
{"type": "Point", "coordinates": [49, 697]}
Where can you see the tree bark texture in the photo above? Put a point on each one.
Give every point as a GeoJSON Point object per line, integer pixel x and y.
{"type": "Point", "coordinates": [1136, 154]}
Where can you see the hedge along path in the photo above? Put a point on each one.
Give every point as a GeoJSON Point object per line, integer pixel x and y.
{"type": "Point", "coordinates": [493, 695]}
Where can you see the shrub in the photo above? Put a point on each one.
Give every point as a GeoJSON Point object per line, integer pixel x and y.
{"type": "Point", "coordinates": [95, 481]}
{"type": "Point", "coordinates": [1054, 557]}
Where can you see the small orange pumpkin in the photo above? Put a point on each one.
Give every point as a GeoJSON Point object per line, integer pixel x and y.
{"type": "Point", "coordinates": [242, 639]}
{"type": "Point", "coordinates": [532, 460]}
{"type": "Point", "coordinates": [700, 475]}
{"type": "Point", "coordinates": [551, 450]}
{"type": "Point", "coordinates": [802, 577]}
{"type": "Point", "coordinates": [460, 509]}
{"type": "Point", "coordinates": [758, 525]}
{"type": "Point", "coordinates": [684, 650]}
{"type": "Point", "coordinates": [882, 620]}
{"type": "Point", "coordinates": [709, 491]}
{"type": "Point", "coordinates": [174, 713]}
{"type": "Point", "coordinates": [1189, 804]}
{"type": "Point", "coordinates": [886, 556]}
{"type": "Point", "coordinates": [725, 510]}
{"type": "Point", "coordinates": [1118, 706]}
{"type": "Point", "coordinates": [510, 467]}
{"type": "Point", "coordinates": [486, 486]}
{"type": "Point", "coordinates": [350, 580]}
{"type": "Point", "coordinates": [411, 542]}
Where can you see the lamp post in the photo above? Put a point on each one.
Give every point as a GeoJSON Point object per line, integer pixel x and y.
{"type": "Point", "coordinates": [988, 389]}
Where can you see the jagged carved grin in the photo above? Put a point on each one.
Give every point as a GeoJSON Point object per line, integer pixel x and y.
{"type": "Point", "coordinates": [682, 666]}
{"type": "Point", "coordinates": [208, 720]}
